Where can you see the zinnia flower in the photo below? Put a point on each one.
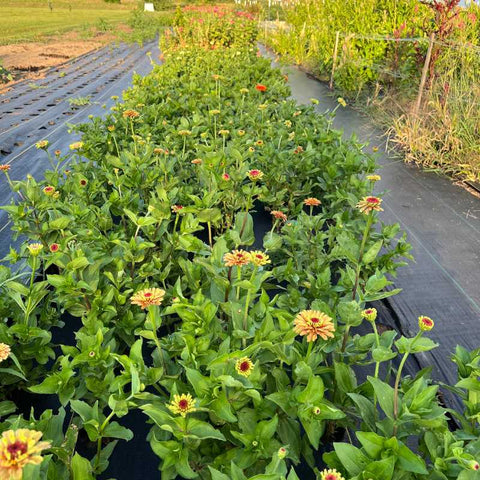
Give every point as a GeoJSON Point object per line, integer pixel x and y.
{"type": "Point", "coordinates": [226, 177]}
{"type": "Point", "coordinates": [176, 208]}
{"type": "Point", "coordinates": [130, 114]}
{"type": "Point", "coordinates": [241, 133]}
{"type": "Point", "coordinates": [312, 202]}
{"type": "Point", "coordinates": [214, 112]}
{"type": "Point", "coordinates": [236, 258]}
{"type": "Point", "coordinates": [197, 161]}
{"type": "Point", "coordinates": [54, 247]}
{"type": "Point", "coordinates": [49, 190]}
{"type": "Point", "coordinates": [261, 88]}
{"type": "Point", "coordinates": [279, 215]}
{"type": "Point", "coordinates": [254, 174]}
{"type": "Point", "coordinates": [473, 465]}
{"type": "Point", "coordinates": [147, 297]}
{"type": "Point", "coordinates": [244, 90]}
{"type": "Point", "coordinates": [4, 351]}
{"type": "Point", "coordinates": [370, 204]}
{"type": "Point", "coordinates": [282, 453]}
{"type": "Point", "coordinates": [42, 144]}
{"type": "Point", "coordinates": [287, 123]}
{"type": "Point", "coordinates": [57, 153]}
{"type": "Point", "coordinates": [331, 474]}
{"type": "Point", "coordinates": [313, 324]}
{"type": "Point", "coordinates": [4, 168]}
{"type": "Point", "coordinates": [111, 128]}
{"type": "Point", "coordinates": [182, 404]}
{"type": "Point", "coordinates": [425, 323]}
{"type": "Point", "coordinates": [370, 314]}
{"type": "Point", "coordinates": [35, 249]}
{"type": "Point", "coordinates": [374, 178]}
{"type": "Point", "coordinates": [224, 133]}
{"type": "Point", "coordinates": [76, 146]}
{"type": "Point", "coordinates": [19, 448]}
{"type": "Point", "coordinates": [259, 258]}
{"type": "Point", "coordinates": [184, 133]}
{"type": "Point", "coordinates": [83, 182]}
{"type": "Point", "coordinates": [244, 366]}
{"type": "Point", "coordinates": [342, 101]}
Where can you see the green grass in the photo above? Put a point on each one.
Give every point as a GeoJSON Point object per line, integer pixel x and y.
{"type": "Point", "coordinates": [33, 20]}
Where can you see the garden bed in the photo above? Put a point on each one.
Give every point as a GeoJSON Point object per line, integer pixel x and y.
{"type": "Point", "coordinates": [233, 336]}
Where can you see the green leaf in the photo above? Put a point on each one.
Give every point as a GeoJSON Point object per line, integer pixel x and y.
{"type": "Point", "coordinates": [366, 409]}
{"type": "Point", "coordinates": [216, 475]}
{"type": "Point", "coordinates": [381, 469]}
{"type": "Point", "coordinates": [7, 407]}
{"type": "Point", "coordinates": [115, 430]}
{"type": "Point", "coordinates": [351, 457]}
{"type": "Point", "coordinates": [415, 344]}
{"type": "Point", "coordinates": [345, 377]}
{"type": "Point", "coordinates": [385, 395]}
{"type": "Point", "coordinates": [371, 254]}
{"type": "Point", "coordinates": [371, 442]}
{"type": "Point", "coordinates": [350, 313]}
{"type": "Point", "coordinates": [77, 263]}
{"type": "Point", "coordinates": [203, 430]}
{"type": "Point", "coordinates": [382, 354]}
{"type": "Point", "coordinates": [81, 468]}
{"type": "Point", "coordinates": [411, 462]}
{"type": "Point", "coordinates": [313, 392]}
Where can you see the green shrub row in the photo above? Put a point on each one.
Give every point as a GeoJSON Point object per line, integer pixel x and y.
{"type": "Point", "coordinates": [237, 342]}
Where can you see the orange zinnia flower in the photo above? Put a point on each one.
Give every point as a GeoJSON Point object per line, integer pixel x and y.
{"type": "Point", "coordinates": [261, 88]}
{"type": "Point", "coordinates": [147, 297]}
{"type": "Point", "coordinates": [312, 202]}
{"type": "Point", "coordinates": [4, 168]}
{"type": "Point", "coordinates": [279, 215]}
{"type": "Point", "coordinates": [19, 448]}
{"type": "Point", "coordinates": [313, 324]}
{"type": "Point", "coordinates": [130, 114]}
{"type": "Point", "coordinates": [370, 204]}
{"type": "Point", "coordinates": [236, 258]}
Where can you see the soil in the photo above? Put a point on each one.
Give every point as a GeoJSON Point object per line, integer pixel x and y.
{"type": "Point", "coordinates": [31, 60]}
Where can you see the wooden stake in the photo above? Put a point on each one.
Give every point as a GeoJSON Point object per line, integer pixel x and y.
{"type": "Point", "coordinates": [423, 80]}
{"type": "Point", "coordinates": [335, 54]}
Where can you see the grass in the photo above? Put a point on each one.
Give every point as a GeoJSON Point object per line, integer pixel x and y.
{"type": "Point", "coordinates": [33, 20]}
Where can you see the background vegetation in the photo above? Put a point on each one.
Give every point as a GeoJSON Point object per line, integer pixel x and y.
{"type": "Point", "coordinates": [382, 50]}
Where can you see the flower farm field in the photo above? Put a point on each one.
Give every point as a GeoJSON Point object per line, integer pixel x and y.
{"type": "Point", "coordinates": [27, 21]}
{"type": "Point", "coordinates": [194, 286]}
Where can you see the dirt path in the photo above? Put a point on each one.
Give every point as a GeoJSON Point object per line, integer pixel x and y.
{"type": "Point", "coordinates": [31, 60]}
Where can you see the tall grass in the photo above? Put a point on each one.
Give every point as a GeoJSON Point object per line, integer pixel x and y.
{"type": "Point", "coordinates": [385, 75]}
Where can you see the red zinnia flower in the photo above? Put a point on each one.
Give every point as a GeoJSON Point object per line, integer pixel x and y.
{"type": "Point", "coordinates": [261, 88]}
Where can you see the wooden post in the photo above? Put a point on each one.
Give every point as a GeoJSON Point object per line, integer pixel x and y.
{"type": "Point", "coordinates": [423, 80]}
{"type": "Point", "coordinates": [335, 55]}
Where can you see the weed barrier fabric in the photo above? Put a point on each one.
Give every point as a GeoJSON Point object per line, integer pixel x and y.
{"type": "Point", "coordinates": [34, 111]}
{"type": "Point", "coordinates": [442, 222]}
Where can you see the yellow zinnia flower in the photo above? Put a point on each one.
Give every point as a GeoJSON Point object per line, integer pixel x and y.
{"type": "Point", "coordinates": [313, 324]}
{"type": "Point", "coordinates": [76, 146]}
{"type": "Point", "coordinates": [19, 448]}
{"type": "Point", "coordinates": [374, 178]}
{"type": "Point", "coordinates": [182, 404]}
{"type": "Point", "coordinates": [425, 323]}
{"type": "Point", "coordinates": [130, 114]}
{"type": "Point", "coordinates": [370, 314]}
{"type": "Point", "coordinates": [331, 474]}
{"type": "Point", "coordinates": [35, 249]}
{"type": "Point", "coordinates": [4, 351]}
{"type": "Point", "coordinates": [244, 366]}
{"type": "Point", "coordinates": [259, 258]}
{"type": "Point", "coordinates": [147, 297]}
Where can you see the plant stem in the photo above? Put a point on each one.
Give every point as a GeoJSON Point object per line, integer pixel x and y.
{"type": "Point", "coordinates": [309, 351]}
{"type": "Point", "coordinates": [360, 256]}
